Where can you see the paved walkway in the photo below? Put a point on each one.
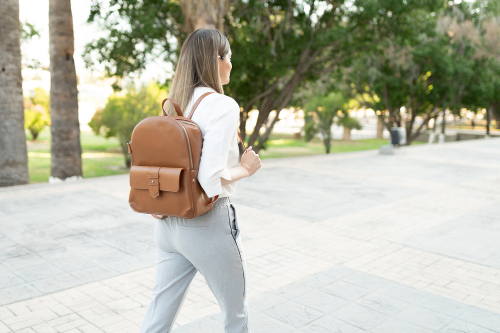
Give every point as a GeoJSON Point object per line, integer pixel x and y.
{"type": "Point", "coordinates": [351, 242]}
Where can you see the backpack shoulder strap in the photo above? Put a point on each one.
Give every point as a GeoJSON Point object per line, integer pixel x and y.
{"type": "Point", "coordinates": [194, 109]}
{"type": "Point", "coordinates": [198, 102]}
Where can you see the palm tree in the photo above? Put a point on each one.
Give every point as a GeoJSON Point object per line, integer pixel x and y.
{"type": "Point", "coordinates": [13, 154]}
{"type": "Point", "coordinates": [204, 14]}
{"type": "Point", "coordinates": [65, 129]}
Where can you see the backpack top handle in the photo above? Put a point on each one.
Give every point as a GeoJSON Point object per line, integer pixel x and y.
{"type": "Point", "coordinates": [176, 107]}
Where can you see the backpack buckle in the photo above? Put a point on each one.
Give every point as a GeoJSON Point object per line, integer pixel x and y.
{"type": "Point", "coordinates": [154, 181]}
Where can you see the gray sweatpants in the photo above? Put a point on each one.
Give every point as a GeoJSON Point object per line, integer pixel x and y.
{"type": "Point", "coordinates": [211, 245]}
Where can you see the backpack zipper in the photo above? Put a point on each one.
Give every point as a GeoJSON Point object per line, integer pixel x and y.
{"type": "Point", "coordinates": [189, 144]}
{"type": "Point", "coordinates": [189, 123]}
{"type": "Point", "coordinates": [192, 124]}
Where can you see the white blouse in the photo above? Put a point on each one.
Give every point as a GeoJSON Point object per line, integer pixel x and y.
{"type": "Point", "coordinates": [218, 117]}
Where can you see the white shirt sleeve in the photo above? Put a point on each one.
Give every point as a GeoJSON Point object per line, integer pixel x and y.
{"type": "Point", "coordinates": [220, 131]}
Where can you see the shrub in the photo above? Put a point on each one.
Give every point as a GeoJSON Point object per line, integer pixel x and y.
{"type": "Point", "coordinates": [124, 110]}
{"type": "Point", "coordinates": [349, 124]}
{"type": "Point", "coordinates": [320, 112]}
{"type": "Point", "coordinates": [36, 112]}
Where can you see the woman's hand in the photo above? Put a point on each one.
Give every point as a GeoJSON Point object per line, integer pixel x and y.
{"type": "Point", "coordinates": [250, 161]}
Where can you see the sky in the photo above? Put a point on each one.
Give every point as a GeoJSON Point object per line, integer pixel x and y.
{"type": "Point", "coordinates": [36, 12]}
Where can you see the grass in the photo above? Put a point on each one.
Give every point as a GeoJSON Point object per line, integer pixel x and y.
{"type": "Point", "coordinates": [283, 145]}
{"type": "Point", "coordinates": [480, 127]}
{"type": "Point", "coordinates": [103, 157]}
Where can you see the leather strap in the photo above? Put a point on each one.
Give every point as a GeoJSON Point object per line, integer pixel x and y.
{"type": "Point", "coordinates": [214, 200]}
{"type": "Point", "coordinates": [176, 107]}
{"type": "Point", "coordinates": [194, 109]}
{"type": "Point", "coordinates": [154, 181]}
{"type": "Point", "coordinates": [242, 143]}
{"type": "Point", "coordinates": [198, 102]}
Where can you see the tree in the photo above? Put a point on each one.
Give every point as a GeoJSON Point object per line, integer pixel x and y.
{"type": "Point", "coordinates": [36, 112]}
{"type": "Point", "coordinates": [425, 60]}
{"type": "Point", "coordinates": [124, 110]}
{"type": "Point", "coordinates": [276, 44]}
{"type": "Point", "coordinates": [13, 156]}
{"type": "Point", "coordinates": [349, 123]}
{"type": "Point", "coordinates": [406, 64]}
{"type": "Point", "coordinates": [475, 27]}
{"type": "Point", "coordinates": [320, 112]}
{"type": "Point", "coordinates": [65, 148]}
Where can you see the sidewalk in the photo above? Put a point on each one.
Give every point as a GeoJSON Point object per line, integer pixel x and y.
{"type": "Point", "coordinates": [354, 242]}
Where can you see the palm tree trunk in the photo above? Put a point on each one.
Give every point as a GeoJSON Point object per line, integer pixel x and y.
{"type": "Point", "coordinates": [13, 152]}
{"type": "Point", "coordinates": [65, 129]}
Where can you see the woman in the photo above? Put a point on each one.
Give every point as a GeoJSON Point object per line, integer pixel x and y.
{"type": "Point", "coordinates": [209, 243]}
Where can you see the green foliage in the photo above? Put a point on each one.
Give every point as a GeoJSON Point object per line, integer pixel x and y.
{"type": "Point", "coordinates": [310, 127]}
{"type": "Point", "coordinates": [123, 111]}
{"type": "Point", "coordinates": [320, 112]}
{"type": "Point", "coordinates": [425, 56]}
{"type": "Point", "coordinates": [36, 112]}
{"type": "Point", "coordinates": [138, 31]}
{"type": "Point", "coordinates": [421, 55]}
{"type": "Point", "coordinates": [28, 31]}
{"type": "Point", "coordinates": [276, 45]}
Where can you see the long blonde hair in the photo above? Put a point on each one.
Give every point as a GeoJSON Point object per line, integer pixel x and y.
{"type": "Point", "coordinates": [198, 66]}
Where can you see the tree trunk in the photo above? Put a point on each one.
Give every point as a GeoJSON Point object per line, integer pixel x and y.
{"type": "Point", "coordinates": [488, 120]}
{"type": "Point", "coordinates": [270, 102]}
{"type": "Point", "coordinates": [380, 126]}
{"type": "Point", "coordinates": [496, 113]}
{"type": "Point", "coordinates": [13, 156]}
{"type": "Point", "coordinates": [34, 134]}
{"type": "Point", "coordinates": [128, 159]}
{"type": "Point", "coordinates": [328, 142]}
{"type": "Point", "coordinates": [243, 125]}
{"type": "Point", "coordinates": [443, 124]}
{"type": "Point", "coordinates": [262, 118]}
{"type": "Point", "coordinates": [65, 129]}
{"type": "Point", "coordinates": [204, 14]}
{"type": "Point", "coordinates": [392, 118]}
{"type": "Point", "coordinates": [268, 131]}
{"type": "Point", "coordinates": [347, 134]}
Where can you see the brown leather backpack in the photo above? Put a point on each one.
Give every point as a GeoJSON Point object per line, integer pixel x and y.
{"type": "Point", "coordinates": [166, 153]}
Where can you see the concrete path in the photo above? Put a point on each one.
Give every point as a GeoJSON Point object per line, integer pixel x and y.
{"type": "Point", "coordinates": [351, 242]}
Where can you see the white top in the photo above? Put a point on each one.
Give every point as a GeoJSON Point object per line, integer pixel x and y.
{"type": "Point", "coordinates": [218, 117]}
